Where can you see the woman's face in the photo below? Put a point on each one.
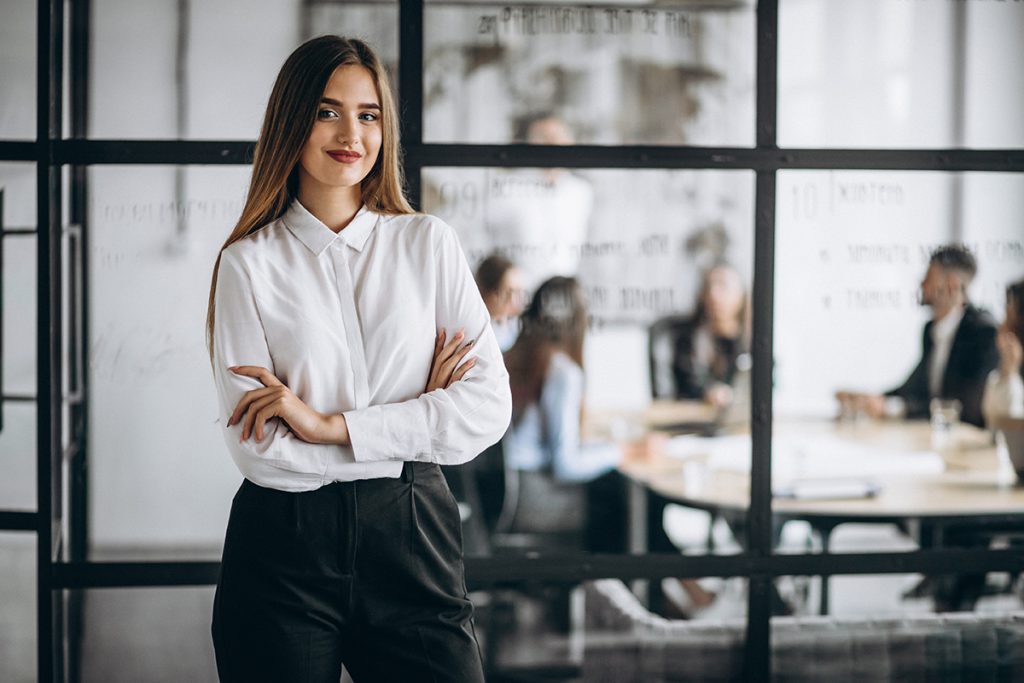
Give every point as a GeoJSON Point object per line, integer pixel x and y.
{"type": "Point", "coordinates": [723, 294]}
{"type": "Point", "coordinates": [346, 137]}
{"type": "Point", "coordinates": [507, 300]}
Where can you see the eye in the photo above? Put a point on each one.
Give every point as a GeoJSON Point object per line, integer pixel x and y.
{"type": "Point", "coordinates": [368, 116]}
{"type": "Point", "coordinates": [325, 114]}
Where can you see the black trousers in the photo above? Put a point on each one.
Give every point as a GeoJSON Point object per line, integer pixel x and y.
{"type": "Point", "coordinates": [367, 574]}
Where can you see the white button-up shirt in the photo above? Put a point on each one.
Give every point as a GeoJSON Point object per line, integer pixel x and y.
{"type": "Point", "coordinates": [347, 321]}
{"type": "Point", "coordinates": [943, 332]}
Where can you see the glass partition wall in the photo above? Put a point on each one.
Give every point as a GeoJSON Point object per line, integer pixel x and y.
{"type": "Point", "coordinates": [820, 148]}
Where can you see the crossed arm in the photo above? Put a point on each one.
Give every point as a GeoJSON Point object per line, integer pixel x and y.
{"type": "Point", "coordinates": [275, 400]}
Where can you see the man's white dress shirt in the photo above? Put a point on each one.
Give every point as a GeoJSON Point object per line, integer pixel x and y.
{"type": "Point", "coordinates": [347, 321]}
{"type": "Point", "coordinates": [943, 331]}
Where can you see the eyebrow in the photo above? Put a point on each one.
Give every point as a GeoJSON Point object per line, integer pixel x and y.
{"type": "Point", "coordinates": [365, 105]}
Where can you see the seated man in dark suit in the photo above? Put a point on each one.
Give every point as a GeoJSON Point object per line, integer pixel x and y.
{"type": "Point", "coordinates": [958, 348]}
{"type": "Point", "coordinates": [958, 352]}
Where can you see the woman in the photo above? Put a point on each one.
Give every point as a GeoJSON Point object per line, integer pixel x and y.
{"type": "Point", "coordinates": [544, 442]}
{"type": "Point", "coordinates": [546, 374]}
{"type": "Point", "coordinates": [711, 348]}
{"type": "Point", "coordinates": [343, 543]}
{"type": "Point", "coordinates": [501, 286]}
{"type": "Point", "coordinates": [1004, 390]}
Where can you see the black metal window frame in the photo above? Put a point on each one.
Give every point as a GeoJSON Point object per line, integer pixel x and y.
{"type": "Point", "coordinates": [63, 565]}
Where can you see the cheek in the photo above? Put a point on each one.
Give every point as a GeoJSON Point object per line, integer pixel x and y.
{"type": "Point", "coordinates": [372, 142]}
{"type": "Point", "coordinates": [310, 152]}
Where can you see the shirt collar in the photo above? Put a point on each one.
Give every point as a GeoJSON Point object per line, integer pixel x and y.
{"type": "Point", "coordinates": [316, 236]}
{"type": "Point", "coordinates": [946, 328]}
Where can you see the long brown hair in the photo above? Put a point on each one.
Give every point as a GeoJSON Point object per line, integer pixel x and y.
{"type": "Point", "coordinates": [555, 320]}
{"type": "Point", "coordinates": [742, 316]}
{"type": "Point", "coordinates": [291, 112]}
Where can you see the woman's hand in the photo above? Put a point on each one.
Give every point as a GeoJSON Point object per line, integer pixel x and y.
{"type": "Point", "coordinates": [719, 395]}
{"type": "Point", "coordinates": [646, 449]}
{"type": "Point", "coordinates": [445, 369]}
{"type": "Point", "coordinates": [277, 400]}
{"type": "Point", "coordinates": [1010, 352]}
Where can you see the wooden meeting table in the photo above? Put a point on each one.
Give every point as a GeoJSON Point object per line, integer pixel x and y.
{"type": "Point", "coordinates": [915, 477]}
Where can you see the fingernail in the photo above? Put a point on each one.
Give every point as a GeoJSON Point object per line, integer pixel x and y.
{"type": "Point", "coordinates": [471, 342]}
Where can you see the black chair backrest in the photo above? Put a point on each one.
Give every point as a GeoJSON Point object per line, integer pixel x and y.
{"type": "Point", "coordinates": [661, 344]}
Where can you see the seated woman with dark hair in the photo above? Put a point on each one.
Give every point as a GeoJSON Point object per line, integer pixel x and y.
{"type": "Point", "coordinates": [712, 348]}
{"type": "Point", "coordinates": [546, 373]}
{"type": "Point", "coordinates": [544, 443]}
{"type": "Point", "coordinates": [500, 285]}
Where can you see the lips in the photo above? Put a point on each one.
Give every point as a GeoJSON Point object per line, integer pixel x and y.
{"type": "Point", "coordinates": [345, 156]}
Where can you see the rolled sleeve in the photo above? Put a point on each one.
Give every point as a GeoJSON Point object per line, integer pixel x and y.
{"type": "Point", "coordinates": [453, 425]}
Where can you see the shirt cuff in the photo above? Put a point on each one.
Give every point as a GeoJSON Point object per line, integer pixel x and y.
{"type": "Point", "coordinates": [373, 434]}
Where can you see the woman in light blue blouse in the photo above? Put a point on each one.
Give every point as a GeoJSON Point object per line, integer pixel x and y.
{"type": "Point", "coordinates": [544, 442]}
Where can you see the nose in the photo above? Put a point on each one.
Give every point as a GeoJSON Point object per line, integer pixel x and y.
{"type": "Point", "coordinates": [348, 130]}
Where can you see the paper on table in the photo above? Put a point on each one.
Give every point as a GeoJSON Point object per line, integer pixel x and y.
{"type": "Point", "coordinates": [813, 457]}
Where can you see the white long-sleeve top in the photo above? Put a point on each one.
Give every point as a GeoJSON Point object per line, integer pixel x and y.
{"type": "Point", "coordinates": [547, 436]}
{"type": "Point", "coordinates": [347, 321]}
{"type": "Point", "coordinates": [1003, 397]}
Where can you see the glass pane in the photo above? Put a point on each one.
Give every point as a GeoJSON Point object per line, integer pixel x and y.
{"type": "Point", "coordinates": [18, 597]}
{"type": "Point", "coordinates": [900, 74]}
{"type": "Point", "coordinates": [202, 72]}
{"type": "Point", "coordinates": [635, 73]}
{"type": "Point", "coordinates": [18, 183]}
{"type": "Point", "coordinates": [157, 486]}
{"type": "Point", "coordinates": [375, 21]}
{"type": "Point", "coordinates": [886, 382]}
{"type": "Point", "coordinates": [18, 457]}
{"type": "Point", "coordinates": [638, 243]}
{"type": "Point", "coordinates": [18, 70]}
{"type": "Point", "coordinates": [121, 641]}
{"type": "Point", "coordinates": [18, 438]}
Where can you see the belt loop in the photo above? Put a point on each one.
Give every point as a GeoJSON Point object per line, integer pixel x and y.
{"type": "Point", "coordinates": [408, 473]}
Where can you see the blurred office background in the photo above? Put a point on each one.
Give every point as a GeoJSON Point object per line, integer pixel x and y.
{"type": "Point", "coordinates": [851, 246]}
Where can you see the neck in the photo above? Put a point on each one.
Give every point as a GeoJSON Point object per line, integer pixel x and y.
{"type": "Point", "coordinates": [941, 312]}
{"type": "Point", "coordinates": [335, 207]}
{"type": "Point", "coordinates": [728, 327]}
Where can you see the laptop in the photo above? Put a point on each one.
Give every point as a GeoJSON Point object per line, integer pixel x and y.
{"type": "Point", "coordinates": [1013, 430]}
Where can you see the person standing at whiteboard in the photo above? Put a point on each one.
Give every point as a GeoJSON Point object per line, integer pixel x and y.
{"type": "Point", "coordinates": [352, 355]}
{"type": "Point", "coordinates": [539, 219]}
{"type": "Point", "coordinates": [958, 346]}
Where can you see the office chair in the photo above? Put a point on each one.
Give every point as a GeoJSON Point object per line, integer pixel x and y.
{"type": "Point", "coordinates": [662, 336]}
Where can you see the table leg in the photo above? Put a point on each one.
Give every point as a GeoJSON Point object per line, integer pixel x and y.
{"type": "Point", "coordinates": [637, 533]}
{"type": "Point", "coordinates": [825, 533]}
